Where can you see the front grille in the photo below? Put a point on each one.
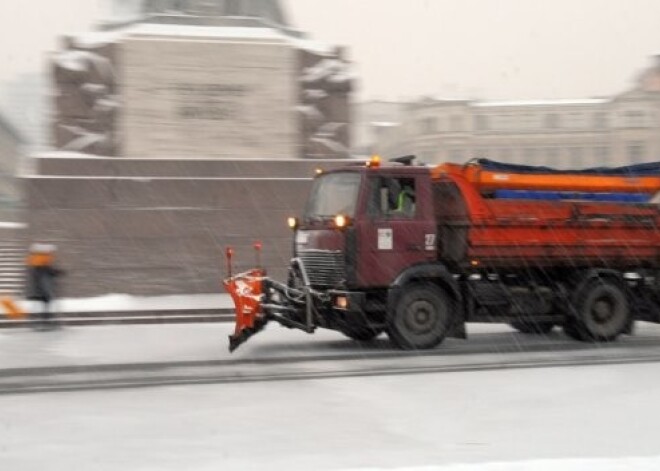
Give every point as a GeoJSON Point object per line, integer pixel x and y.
{"type": "Point", "coordinates": [324, 268]}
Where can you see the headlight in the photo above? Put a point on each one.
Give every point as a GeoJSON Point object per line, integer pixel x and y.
{"type": "Point", "coordinates": [341, 221]}
{"type": "Point", "coordinates": [341, 302]}
{"type": "Point", "coordinates": [293, 223]}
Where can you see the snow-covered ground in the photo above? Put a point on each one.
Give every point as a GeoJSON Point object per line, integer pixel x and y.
{"type": "Point", "coordinates": [621, 464]}
{"type": "Point", "coordinates": [128, 303]}
{"type": "Point", "coordinates": [604, 418]}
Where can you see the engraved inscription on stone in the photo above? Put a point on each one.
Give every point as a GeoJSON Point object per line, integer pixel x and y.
{"type": "Point", "coordinates": [208, 101]}
{"type": "Point", "coordinates": [209, 98]}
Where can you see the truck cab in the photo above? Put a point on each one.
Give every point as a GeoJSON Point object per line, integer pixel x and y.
{"type": "Point", "coordinates": [367, 231]}
{"type": "Point", "coordinates": [361, 227]}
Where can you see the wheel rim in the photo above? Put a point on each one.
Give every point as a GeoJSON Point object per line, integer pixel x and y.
{"type": "Point", "coordinates": [605, 313]}
{"type": "Point", "coordinates": [603, 310]}
{"type": "Point", "coordinates": [421, 317]}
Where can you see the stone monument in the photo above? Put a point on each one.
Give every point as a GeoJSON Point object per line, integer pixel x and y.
{"type": "Point", "coordinates": [181, 128]}
{"type": "Point", "coordinates": [213, 79]}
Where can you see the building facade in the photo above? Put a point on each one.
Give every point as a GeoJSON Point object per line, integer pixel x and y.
{"type": "Point", "coordinates": [372, 123]}
{"type": "Point", "coordinates": [619, 130]}
{"type": "Point", "coordinates": [10, 149]}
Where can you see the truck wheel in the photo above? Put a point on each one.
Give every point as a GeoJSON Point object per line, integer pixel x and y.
{"type": "Point", "coordinates": [533, 327]}
{"type": "Point", "coordinates": [603, 311]}
{"type": "Point", "coordinates": [361, 335]}
{"type": "Point", "coordinates": [421, 319]}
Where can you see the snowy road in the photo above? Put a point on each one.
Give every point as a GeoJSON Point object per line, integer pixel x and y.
{"type": "Point", "coordinates": [137, 356]}
{"type": "Point", "coordinates": [389, 423]}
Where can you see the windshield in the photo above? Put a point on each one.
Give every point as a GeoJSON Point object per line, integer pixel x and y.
{"type": "Point", "coordinates": [332, 194]}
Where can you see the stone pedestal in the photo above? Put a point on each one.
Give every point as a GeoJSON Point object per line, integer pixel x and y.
{"type": "Point", "coordinates": [154, 227]}
{"type": "Point", "coordinates": [212, 96]}
{"type": "Point", "coordinates": [153, 90]}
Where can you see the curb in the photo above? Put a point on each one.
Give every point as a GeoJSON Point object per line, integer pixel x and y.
{"type": "Point", "coordinates": [129, 318]}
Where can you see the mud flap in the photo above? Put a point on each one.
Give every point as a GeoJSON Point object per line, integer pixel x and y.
{"type": "Point", "coordinates": [247, 293]}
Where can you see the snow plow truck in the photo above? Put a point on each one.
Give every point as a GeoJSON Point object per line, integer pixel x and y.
{"type": "Point", "coordinates": [417, 252]}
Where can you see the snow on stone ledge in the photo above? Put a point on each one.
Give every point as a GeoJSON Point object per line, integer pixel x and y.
{"type": "Point", "coordinates": [12, 225]}
{"type": "Point", "coordinates": [128, 303]}
{"type": "Point", "coordinates": [601, 464]}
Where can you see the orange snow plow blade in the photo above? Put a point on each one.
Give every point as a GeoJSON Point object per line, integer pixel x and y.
{"type": "Point", "coordinates": [246, 291]}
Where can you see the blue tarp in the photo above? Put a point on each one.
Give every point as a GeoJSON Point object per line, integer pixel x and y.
{"type": "Point", "coordinates": [567, 195]}
{"type": "Point", "coordinates": [640, 170]}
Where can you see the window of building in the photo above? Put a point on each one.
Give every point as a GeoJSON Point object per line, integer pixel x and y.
{"type": "Point", "coordinates": [429, 125]}
{"type": "Point", "coordinates": [600, 120]}
{"type": "Point", "coordinates": [481, 123]}
{"type": "Point", "coordinates": [233, 8]}
{"type": "Point", "coordinates": [552, 154]}
{"type": "Point", "coordinates": [503, 154]}
{"type": "Point", "coordinates": [173, 6]}
{"type": "Point", "coordinates": [576, 157]}
{"type": "Point", "coordinates": [635, 119]}
{"type": "Point", "coordinates": [576, 120]}
{"type": "Point", "coordinates": [456, 155]}
{"type": "Point", "coordinates": [528, 121]}
{"type": "Point", "coordinates": [552, 121]}
{"type": "Point", "coordinates": [636, 152]}
{"type": "Point", "coordinates": [530, 155]}
{"type": "Point", "coordinates": [456, 123]}
{"type": "Point", "coordinates": [482, 153]}
{"type": "Point", "coordinates": [602, 156]}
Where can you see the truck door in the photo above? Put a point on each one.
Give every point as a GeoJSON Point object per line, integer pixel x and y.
{"type": "Point", "coordinates": [398, 231]}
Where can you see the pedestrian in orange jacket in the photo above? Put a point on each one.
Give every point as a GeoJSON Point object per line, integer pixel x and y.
{"type": "Point", "coordinates": [41, 281]}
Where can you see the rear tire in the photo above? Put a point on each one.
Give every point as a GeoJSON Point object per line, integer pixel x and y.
{"type": "Point", "coordinates": [602, 311]}
{"type": "Point", "coordinates": [532, 327]}
{"type": "Point", "coordinates": [421, 318]}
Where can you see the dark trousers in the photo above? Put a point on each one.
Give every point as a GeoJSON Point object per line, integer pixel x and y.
{"type": "Point", "coordinates": [45, 314]}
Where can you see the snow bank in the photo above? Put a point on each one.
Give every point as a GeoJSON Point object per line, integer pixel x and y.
{"type": "Point", "coordinates": [604, 464]}
{"type": "Point", "coordinates": [558, 102]}
{"type": "Point", "coordinates": [127, 303]}
{"type": "Point", "coordinates": [12, 225]}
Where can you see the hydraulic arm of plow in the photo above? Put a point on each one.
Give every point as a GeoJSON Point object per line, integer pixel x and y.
{"type": "Point", "coordinates": [259, 300]}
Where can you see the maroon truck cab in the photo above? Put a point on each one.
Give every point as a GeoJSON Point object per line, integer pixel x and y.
{"type": "Point", "coordinates": [389, 227]}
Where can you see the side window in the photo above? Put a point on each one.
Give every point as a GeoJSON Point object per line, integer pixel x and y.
{"type": "Point", "coordinates": [394, 198]}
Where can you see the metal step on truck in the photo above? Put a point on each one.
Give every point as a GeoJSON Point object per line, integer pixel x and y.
{"type": "Point", "coordinates": [417, 252]}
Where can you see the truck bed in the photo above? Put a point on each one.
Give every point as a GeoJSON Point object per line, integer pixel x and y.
{"type": "Point", "coordinates": [519, 233]}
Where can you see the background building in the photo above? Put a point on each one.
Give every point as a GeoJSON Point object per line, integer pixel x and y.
{"type": "Point", "coordinates": [371, 124]}
{"type": "Point", "coordinates": [618, 130]}
{"type": "Point", "coordinates": [10, 151]}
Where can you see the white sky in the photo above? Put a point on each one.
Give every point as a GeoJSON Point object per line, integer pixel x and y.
{"type": "Point", "coordinates": [495, 49]}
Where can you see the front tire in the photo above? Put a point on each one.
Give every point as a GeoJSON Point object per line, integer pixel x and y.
{"type": "Point", "coordinates": [421, 318]}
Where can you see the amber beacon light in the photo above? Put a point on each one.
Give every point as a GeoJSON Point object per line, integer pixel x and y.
{"type": "Point", "coordinates": [374, 162]}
